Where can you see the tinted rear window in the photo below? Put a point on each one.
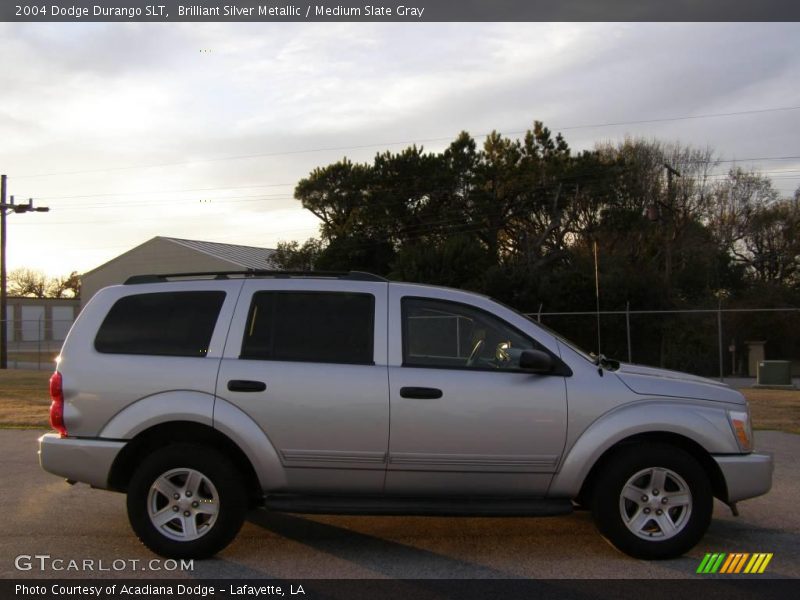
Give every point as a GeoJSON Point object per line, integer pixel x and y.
{"type": "Point", "coordinates": [163, 324]}
{"type": "Point", "coordinates": [331, 327]}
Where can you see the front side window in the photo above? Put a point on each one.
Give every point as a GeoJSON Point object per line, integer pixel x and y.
{"type": "Point", "coordinates": [438, 333]}
{"type": "Point", "coordinates": [329, 327]}
{"type": "Point", "coordinates": [161, 324]}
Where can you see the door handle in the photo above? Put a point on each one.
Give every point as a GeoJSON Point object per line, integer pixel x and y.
{"type": "Point", "coordinates": [421, 393]}
{"type": "Point", "coordinates": [244, 385]}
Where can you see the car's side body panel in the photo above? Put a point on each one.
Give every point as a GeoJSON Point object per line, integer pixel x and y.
{"type": "Point", "coordinates": [166, 407]}
{"type": "Point", "coordinates": [329, 422]}
{"type": "Point", "coordinates": [490, 432]}
{"type": "Point", "coordinates": [708, 427]}
{"type": "Point", "coordinates": [97, 386]}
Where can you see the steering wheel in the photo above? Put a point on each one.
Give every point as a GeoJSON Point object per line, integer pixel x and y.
{"type": "Point", "coordinates": [474, 354]}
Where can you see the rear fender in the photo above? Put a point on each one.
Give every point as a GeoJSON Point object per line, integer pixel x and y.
{"type": "Point", "coordinates": [251, 439]}
{"type": "Point", "coordinates": [198, 407]}
{"type": "Point", "coordinates": [177, 405]}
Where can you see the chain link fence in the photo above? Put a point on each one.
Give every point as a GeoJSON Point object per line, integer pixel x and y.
{"type": "Point", "coordinates": [714, 342]}
{"type": "Point", "coordinates": [35, 343]}
{"type": "Point", "coordinates": [720, 343]}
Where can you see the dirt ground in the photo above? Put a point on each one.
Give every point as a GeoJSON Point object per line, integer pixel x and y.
{"type": "Point", "coordinates": [24, 402]}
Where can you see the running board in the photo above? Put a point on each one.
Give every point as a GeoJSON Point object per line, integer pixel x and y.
{"type": "Point", "coordinates": [442, 507]}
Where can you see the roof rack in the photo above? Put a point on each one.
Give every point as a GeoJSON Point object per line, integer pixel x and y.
{"type": "Point", "coordinates": [345, 275]}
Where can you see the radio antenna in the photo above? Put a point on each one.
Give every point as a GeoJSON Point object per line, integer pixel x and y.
{"type": "Point", "coordinates": [597, 296]}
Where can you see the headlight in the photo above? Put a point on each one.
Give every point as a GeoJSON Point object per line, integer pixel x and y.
{"type": "Point", "coordinates": [742, 430]}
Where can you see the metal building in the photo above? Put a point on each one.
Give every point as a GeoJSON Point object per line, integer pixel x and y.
{"type": "Point", "coordinates": [174, 255]}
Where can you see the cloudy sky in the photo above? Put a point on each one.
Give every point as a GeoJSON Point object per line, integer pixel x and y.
{"type": "Point", "coordinates": [128, 131]}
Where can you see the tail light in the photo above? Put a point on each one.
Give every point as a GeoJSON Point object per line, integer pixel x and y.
{"type": "Point", "coordinates": [57, 404]}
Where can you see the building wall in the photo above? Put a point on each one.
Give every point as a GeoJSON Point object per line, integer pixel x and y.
{"type": "Point", "coordinates": [154, 256]}
{"type": "Point", "coordinates": [40, 319]}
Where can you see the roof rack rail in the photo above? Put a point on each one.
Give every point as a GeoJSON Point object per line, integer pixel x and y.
{"type": "Point", "coordinates": [345, 275]}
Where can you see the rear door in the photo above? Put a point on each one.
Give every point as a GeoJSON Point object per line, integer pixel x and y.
{"type": "Point", "coordinates": [306, 359]}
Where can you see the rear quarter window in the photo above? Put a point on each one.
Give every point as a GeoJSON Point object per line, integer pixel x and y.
{"type": "Point", "coordinates": [161, 324]}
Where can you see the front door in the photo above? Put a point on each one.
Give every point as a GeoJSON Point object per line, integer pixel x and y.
{"type": "Point", "coordinates": [464, 418]}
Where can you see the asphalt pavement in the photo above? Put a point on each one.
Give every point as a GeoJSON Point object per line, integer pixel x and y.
{"type": "Point", "coordinates": [84, 533]}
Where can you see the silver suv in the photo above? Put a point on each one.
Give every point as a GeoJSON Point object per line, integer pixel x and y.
{"type": "Point", "coordinates": [203, 395]}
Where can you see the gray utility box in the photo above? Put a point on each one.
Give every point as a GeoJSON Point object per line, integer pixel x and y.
{"type": "Point", "coordinates": [774, 372]}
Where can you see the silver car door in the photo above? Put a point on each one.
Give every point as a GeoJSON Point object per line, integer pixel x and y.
{"type": "Point", "coordinates": [306, 360]}
{"type": "Point", "coordinates": [463, 419]}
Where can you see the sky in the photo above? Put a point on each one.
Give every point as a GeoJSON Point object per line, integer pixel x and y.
{"type": "Point", "coordinates": [127, 131]}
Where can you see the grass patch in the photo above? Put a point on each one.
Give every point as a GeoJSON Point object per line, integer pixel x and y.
{"type": "Point", "coordinates": [775, 409]}
{"type": "Point", "coordinates": [24, 399]}
{"type": "Point", "coordinates": [45, 358]}
{"type": "Point", "coordinates": [24, 403]}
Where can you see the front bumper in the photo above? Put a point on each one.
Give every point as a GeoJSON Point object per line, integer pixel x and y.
{"type": "Point", "coordinates": [746, 475]}
{"type": "Point", "coordinates": [79, 459]}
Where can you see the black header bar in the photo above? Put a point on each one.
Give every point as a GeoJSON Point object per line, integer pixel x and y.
{"type": "Point", "coordinates": [414, 11]}
{"type": "Point", "coordinates": [730, 588]}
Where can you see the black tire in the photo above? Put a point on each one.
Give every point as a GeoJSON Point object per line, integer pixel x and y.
{"type": "Point", "coordinates": [690, 514]}
{"type": "Point", "coordinates": [220, 485]}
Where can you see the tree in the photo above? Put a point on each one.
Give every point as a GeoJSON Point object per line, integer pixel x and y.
{"type": "Point", "coordinates": [291, 256]}
{"type": "Point", "coordinates": [659, 197]}
{"type": "Point", "coordinates": [335, 195]}
{"type": "Point", "coordinates": [519, 218]}
{"type": "Point", "coordinates": [27, 282]}
{"type": "Point", "coordinates": [460, 260]}
{"type": "Point", "coordinates": [772, 243]}
{"type": "Point", "coordinates": [65, 287]}
{"type": "Point", "coordinates": [35, 284]}
{"type": "Point", "coordinates": [760, 231]}
{"type": "Point", "coordinates": [733, 203]}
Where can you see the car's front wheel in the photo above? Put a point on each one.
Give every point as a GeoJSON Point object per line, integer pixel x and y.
{"type": "Point", "coordinates": [186, 501]}
{"type": "Point", "coordinates": [652, 501]}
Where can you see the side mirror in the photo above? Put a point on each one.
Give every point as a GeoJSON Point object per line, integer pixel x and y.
{"type": "Point", "coordinates": [536, 361]}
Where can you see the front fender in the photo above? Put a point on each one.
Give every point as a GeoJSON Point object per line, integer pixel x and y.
{"type": "Point", "coordinates": [706, 426]}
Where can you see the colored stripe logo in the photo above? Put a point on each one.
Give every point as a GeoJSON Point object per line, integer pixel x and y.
{"type": "Point", "coordinates": [735, 562]}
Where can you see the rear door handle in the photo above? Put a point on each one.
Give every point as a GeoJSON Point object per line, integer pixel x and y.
{"type": "Point", "coordinates": [244, 385]}
{"type": "Point", "coordinates": [421, 393]}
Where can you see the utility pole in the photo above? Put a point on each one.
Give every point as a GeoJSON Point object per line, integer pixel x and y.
{"type": "Point", "coordinates": [3, 303]}
{"type": "Point", "coordinates": [7, 208]}
{"type": "Point", "coordinates": [661, 212]}
{"type": "Point", "coordinates": [669, 234]}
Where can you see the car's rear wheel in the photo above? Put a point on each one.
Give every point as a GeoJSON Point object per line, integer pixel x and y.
{"type": "Point", "coordinates": [652, 501]}
{"type": "Point", "coordinates": [186, 501]}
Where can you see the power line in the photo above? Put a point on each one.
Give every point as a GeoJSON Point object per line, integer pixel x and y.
{"type": "Point", "coordinates": [144, 193]}
{"type": "Point", "coordinates": [264, 185]}
{"type": "Point", "coordinates": [757, 159]}
{"type": "Point", "coordinates": [686, 118]}
{"type": "Point", "coordinates": [222, 200]}
{"type": "Point", "coordinates": [418, 141]}
{"type": "Point", "coordinates": [187, 201]}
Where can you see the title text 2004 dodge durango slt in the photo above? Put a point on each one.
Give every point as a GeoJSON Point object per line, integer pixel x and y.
{"type": "Point", "coordinates": [201, 396]}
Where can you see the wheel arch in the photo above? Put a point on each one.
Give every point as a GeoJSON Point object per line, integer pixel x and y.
{"type": "Point", "coordinates": [702, 429]}
{"type": "Point", "coordinates": [177, 432]}
{"type": "Point", "coordinates": [691, 447]}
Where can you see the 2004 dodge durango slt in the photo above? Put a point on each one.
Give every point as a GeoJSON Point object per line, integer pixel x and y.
{"type": "Point", "coordinates": [202, 395]}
